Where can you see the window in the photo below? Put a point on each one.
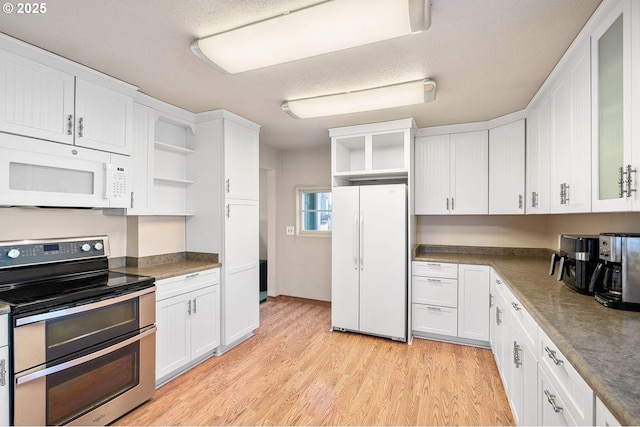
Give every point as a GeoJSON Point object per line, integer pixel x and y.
{"type": "Point", "coordinates": [314, 211]}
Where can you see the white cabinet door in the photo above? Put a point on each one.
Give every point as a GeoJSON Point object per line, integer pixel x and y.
{"type": "Point", "coordinates": [552, 410]}
{"type": "Point", "coordinates": [469, 173]}
{"type": "Point", "coordinates": [205, 320]}
{"type": "Point", "coordinates": [104, 118]}
{"type": "Point", "coordinates": [611, 105]}
{"type": "Point", "coordinates": [506, 169]}
{"type": "Point", "coordinates": [604, 417]}
{"type": "Point", "coordinates": [432, 160]}
{"type": "Point", "coordinates": [570, 101]}
{"type": "Point", "coordinates": [241, 168]}
{"type": "Point", "coordinates": [383, 261]}
{"type": "Point", "coordinates": [173, 342]}
{"type": "Point", "coordinates": [240, 296]}
{"type": "Point", "coordinates": [473, 302]}
{"type": "Point", "coordinates": [524, 378]}
{"type": "Point", "coordinates": [538, 157]}
{"type": "Point", "coordinates": [37, 100]}
{"type": "Point", "coordinates": [142, 163]}
{"type": "Point", "coordinates": [345, 244]}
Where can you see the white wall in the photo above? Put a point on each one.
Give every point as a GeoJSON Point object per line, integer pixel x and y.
{"type": "Point", "coordinates": [155, 235]}
{"type": "Point", "coordinates": [20, 223]}
{"type": "Point", "coordinates": [304, 263]}
{"type": "Point", "coordinates": [524, 231]}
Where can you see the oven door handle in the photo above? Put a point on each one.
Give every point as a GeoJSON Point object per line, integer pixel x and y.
{"type": "Point", "coordinates": [82, 308]}
{"type": "Point", "coordinates": [84, 359]}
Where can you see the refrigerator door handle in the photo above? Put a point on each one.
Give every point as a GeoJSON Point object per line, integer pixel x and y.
{"type": "Point", "coordinates": [361, 240]}
{"type": "Point", "coordinates": [355, 240]}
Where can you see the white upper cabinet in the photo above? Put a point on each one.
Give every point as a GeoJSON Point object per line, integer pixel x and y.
{"type": "Point", "coordinates": [506, 169]}
{"type": "Point", "coordinates": [451, 174]}
{"type": "Point", "coordinates": [49, 98]}
{"type": "Point", "coordinates": [104, 118]}
{"type": "Point", "coordinates": [614, 171]}
{"type": "Point", "coordinates": [379, 150]}
{"type": "Point", "coordinates": [38, 100]}
{"type": "Point", "coordinates": [241, 162]}
{"type": "Point", "coordinates": [538, 156]}
{"type": "Point", "coordinates": [570, 98]}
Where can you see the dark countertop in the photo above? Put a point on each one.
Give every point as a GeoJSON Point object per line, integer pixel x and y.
{"type": "Point", "coordinates": [602, 344]}
{"type": "Point", "coordinates": [173, 269]}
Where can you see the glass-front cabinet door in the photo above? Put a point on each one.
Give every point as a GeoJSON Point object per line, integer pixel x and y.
{"type": "Point", "coordinates": [614, 177]}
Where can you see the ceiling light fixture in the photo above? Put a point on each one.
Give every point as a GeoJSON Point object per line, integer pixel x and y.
{"type": "Point", "coordinates": [324, 27]}
{"type": "Point", "coordinates": [396, 95]}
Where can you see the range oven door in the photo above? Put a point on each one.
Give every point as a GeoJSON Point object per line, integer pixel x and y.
{"type": "Point", "coordinates": [93, 389]}
{"type": "Point", "coordinates": [45, 337]}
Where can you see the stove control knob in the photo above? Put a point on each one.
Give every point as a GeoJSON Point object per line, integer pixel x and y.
{"type": "Point", "coordinates": [13, 253]}
{"type": "Point", "coordinates": [85, 248]}
{"type": "Point", "coordinates": [98, 246]}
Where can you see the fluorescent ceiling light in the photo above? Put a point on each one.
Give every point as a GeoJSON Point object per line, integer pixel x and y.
{"type": "Point", "coordinates": [325, 27]}
{"type": "Point", "coordinates": [397, 95]}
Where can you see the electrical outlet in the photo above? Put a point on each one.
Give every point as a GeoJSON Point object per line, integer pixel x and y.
{"type": "Point", "coordinates": [291, 230]}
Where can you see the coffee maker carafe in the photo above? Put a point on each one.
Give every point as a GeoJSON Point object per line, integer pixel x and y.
{"type": "Point", "coordinates": [617, 276]}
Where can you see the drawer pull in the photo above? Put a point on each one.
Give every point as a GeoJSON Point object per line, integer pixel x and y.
{"type": "Point", "coordinates": [189, 276]}
{"type": "Point", "coordinates": [516, 306]}
{"type": "Point", "coordinates": [434, 308]}
{"type": "Point", "coordinates": [498, 281]}
{"type": "Point", "coordinates": [434, 280]}
{"type": "Point", "coordinates": [552, 400]}
{"type": "Point", "coordinates": [431, 264]}
{"type": "Point", "coordinates": [552, 356]}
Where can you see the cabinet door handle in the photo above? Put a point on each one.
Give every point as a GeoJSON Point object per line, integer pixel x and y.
{"type": "Point", "coordinates": [491, 300]}
{"type": "Point", "coordinates": [552, 356]}
{"type": "Point", "coordinates": [520, 201]}
{"type": "Point", "coordinates": [70, 124]}
{"type": "Point", "coordinates": [498, 316]}
{"type": "Point", "coordinates": [228, 211]}
{"type": "Point", "coordinates": [534, 199]}
{"type": "Point", "coordinates": [194, 306]}
{"type": "Point", "coordinates": [516, 306]}
{"type": "Point", "coordinates": [81, 127]}
{"type": "Point", "coordinates": [447, 203]}
{"type": "Point", "coordinates": [453, 206]}
{"type": "Point", "coordinates": [552, 400]}
{"type": "Point", "coordinates": [3, 372]}
{"type": "Point", "coordinates": [189, 308]}
{"type": "Point", "coordinates": [517, 361]}
{"type": "Point", "coordinates": [228, 185]}
{"type": "Point", "coordinates": [630, 180]}
{"type": "Point", "coordinates": [621, 173]}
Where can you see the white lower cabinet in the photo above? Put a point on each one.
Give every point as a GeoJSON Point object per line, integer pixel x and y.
{"type": "Point", "coordinates": [4, 370]}
{"type": "Point", "coordinates": [450, 302]}
{"type": "Point", "coordinates": [604, 417]}
{"type": "Point", "coordinates": [552, 408]}
{"type": "Point", "coordinates": [524, 376]}
{"type": "Point", "coordinates": [188, 321]}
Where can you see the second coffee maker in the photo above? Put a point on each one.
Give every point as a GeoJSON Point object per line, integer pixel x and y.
{"type": "Point", "coordinates": [578, 258]}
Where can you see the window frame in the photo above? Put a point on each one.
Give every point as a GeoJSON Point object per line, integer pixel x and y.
{"type": "Point", "coordinates": [300, 191]}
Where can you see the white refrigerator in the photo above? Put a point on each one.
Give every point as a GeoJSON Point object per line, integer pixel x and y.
{"type": "Point", "coordinates": [369, 260]}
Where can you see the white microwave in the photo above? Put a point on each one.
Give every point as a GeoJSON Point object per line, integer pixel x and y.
{"type": "Point", "coordinates": [42, 173]}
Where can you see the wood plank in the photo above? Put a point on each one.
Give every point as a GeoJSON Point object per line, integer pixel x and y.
{"type": "Point", "coordinates": [295, 371]}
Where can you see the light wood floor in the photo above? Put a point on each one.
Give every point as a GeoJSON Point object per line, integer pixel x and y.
{"type": "Point", "coordinates": [294, 371]}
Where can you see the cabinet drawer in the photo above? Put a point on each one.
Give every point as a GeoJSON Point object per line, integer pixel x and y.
{"type": "Point", "coordinates": [4, 328]}
{"type": "Point", "coordinates": [434, 269]}
{"type": "Point", "coordinates": [435, 291]}
{"type": "Point", "coordinates": [578, 396]}
{"type": "Point", "coordinates": [521, 315]}
{"type": "Point", "coordinates": [552, 404]}
{"type": "Point", "coordinates": [167, 288]}
{"type": "Point", "coordinates": [435, 320]}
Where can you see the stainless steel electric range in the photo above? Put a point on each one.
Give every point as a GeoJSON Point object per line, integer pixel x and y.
{"type": "Point", "coordinates": [82, 338]}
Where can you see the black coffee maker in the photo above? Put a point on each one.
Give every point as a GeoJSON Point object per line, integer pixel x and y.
{"type": "Point", "coordinates": [617, 276]}
{"type": "Point", "coordinates": [578, 258]}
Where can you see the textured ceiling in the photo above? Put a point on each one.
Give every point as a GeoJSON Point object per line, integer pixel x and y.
{"type": "Point", "coordinates": [488, 57]}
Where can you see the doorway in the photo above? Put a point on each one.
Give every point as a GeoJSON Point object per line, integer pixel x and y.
{"type": "Point", "coordinates": [267, 234]}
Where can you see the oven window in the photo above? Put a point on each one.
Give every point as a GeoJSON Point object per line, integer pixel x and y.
{"type": "Point", "coordinates": [72, 392]}
{"type": "Point", "coordinates": [76, 332]}
{"type": "Point", "coordinates": [32, 177]}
